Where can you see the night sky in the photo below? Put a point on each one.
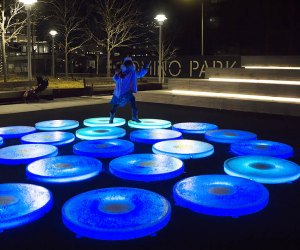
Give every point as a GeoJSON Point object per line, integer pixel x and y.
{"type": "Point", "coordinates": [247, 27]}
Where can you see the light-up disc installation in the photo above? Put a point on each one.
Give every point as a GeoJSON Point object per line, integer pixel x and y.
{"type": "Point", "coordinates": [1, 141]}
{"type": "Point", "coordinates": [22, 203]}
{"type": "Point", "coordinates": [103, 121]}
{"type": "Point", "coordinates": [26, 153]}
{"type": "Point", "coordinates": [146, 167]}
{"type": "Point", "coordinates": [62, 169]}
{"type": "Point", "coordinates": [100, 133]}
{"type": "Point", "coordinates": [194, 127]}
{"type": "Point", "coordinates": [116, 213]}
{"type": "Point", "coordinates": [13, 132]}
{"type": "Point", "coordinates": [151, 136]}
{"type": "Point", "coordinates": [104, 148]}
{"type": "Point", "coordinates": [150, 124]}
{"type": "Point", "coordinates": [221, 195]}
{"type": "Point", "coordinates": [54, 125]}
{"type": "Point", "coordinates": [55, 138]}
{"type": "Point", "coordinates": [184, 149]}
{"type": "Point", "coordinates": [262, 147]}
{"type": "Point", "coordinates": [229, 135]}
{"type": "Point", "coordinates": [263, 169]}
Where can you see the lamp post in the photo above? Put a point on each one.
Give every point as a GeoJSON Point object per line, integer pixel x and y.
{"type": "Point", "coordinates": [53, 33]}
{"type": "Point", "coordinates": [28, 4]}
{"type": "Point", "coordinates": [160, 19]}
{"type": "Point", "coordinates": [202, 28]}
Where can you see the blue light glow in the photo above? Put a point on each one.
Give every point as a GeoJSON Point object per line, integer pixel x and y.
{"type": "Point", "coordinates": [55, 125]}
{"type": "Point", "coordinates": [183, 149]}
{"type": "Point", "coordinates": [1, 141]}
{"type": "Point", "coordinates": [26, 153]}
{"type": "Point", "coordinates": [55, 138]}
{"type": "Point", "coordinates": [150, 124]}
{"type": "Point", "coordinates": [104, 148]}
{"type": "Point", "coordinates": [263, 169]}
{"type": "Point", "coordinates": [22, 203]}
{"type": "Point", "coordinates": [151, 136]}
{"type": "Point", "coordinates": [221, 195]}
{"type": "Point", "coordinates": [62, 169]}
{"type": "Point", "coordinates": [194, 127]}
{"type": "Point", "coordinates": [16, 131]}
{"type": "Point", "coordinates": [262, 147]}
{"type": "Point", "coordinates": [99, 133]}
{"type": "Point", "coordinates": [116, 213]}
{"type": "Point", "coordinates": [103, 121]}
{"type": "Point", "coordinates": [146, 167]}
{"type": "Point", "coordinates": [229, 135]}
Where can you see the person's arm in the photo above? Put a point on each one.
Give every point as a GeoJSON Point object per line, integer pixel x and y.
{"type": "Point", "coordinates": [141, 73]}
{"type": "Point", "coordinates": [117, 77]}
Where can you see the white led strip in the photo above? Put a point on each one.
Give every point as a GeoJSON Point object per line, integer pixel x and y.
{"type": "Point", "coordinates": [254, 81]}
{"type": "Point", "coordinates": [237, 96]}
{"type": "Point", "coordinates": [271, 67]}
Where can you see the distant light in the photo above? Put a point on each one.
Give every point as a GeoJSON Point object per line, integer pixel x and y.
{"type": "Point", "coordinates": [160, 18]}
{"type": "Point", "coordinates": [265, 81]}
{"type": "Point", "coordinates": [28, 2]}
{"type": "Point", "coordinates": [53, 32]}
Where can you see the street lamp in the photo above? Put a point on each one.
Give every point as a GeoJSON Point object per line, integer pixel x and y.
{"type": "Point", "coordinates": [202, 28]}
{"type": "Point", "coordinates": [160, 19]}
{"type": "Point", "coordinates": [53, 33]}
{"type": "Point", "coordinates": [28, 4]}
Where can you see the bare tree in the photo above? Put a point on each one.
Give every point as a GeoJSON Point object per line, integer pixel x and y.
{"type": "Point", "coordinates": [11, 25]}
{"type": "Point", "coordinates": [70, 24]}
{"type": "Point", "coordinates": [118, 26]}
{"type": "Point", "coordinates": [168, 54]}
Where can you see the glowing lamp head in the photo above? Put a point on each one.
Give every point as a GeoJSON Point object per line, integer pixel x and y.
{"type": "Point", "coordinates": [28, 2]}
{"type": "Point", "coordinates": [53, 32]}
{"type": "Point", "coordinates": [160, 18]}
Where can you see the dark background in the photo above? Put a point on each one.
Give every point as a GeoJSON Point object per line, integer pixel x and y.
{"type": "Point", "coordinates": [275, 227]}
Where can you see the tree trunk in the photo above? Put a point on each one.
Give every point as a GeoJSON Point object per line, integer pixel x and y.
{"type": "Point", "coordinates": [66, 63]}
{"type": "Point", "coordinates": [4, 61]}
{"type": "Point", "coordinates": [108, 64]}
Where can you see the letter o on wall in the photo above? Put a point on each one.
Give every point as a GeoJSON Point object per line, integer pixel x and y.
{"type": "Point", "coordinates": [179, 68]}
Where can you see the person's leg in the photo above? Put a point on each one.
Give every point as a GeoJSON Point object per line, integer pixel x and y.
{"type": "Point", "coordinates": [112, 113]}
{"type": "Point", "coordinates": [134, 110]}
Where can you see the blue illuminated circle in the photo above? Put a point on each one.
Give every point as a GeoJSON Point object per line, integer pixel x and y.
{"type": "Point", "coordinates": [61, 169]}
{"type": "Point", "coordinates": [194, 127]}
{"type": "Point", "coordinates": [221, 195]}
{"type": "Point", "coordinates": [184, 149]}
{"type": "Point", "coordinates": [263, 169]}
{"type": "Point", "coordinates": [99, 133]}
{"type": "Point", "coordinates": [229, 135]}
{"type": "Point", "coordinates": [26, 153]}
{"type": "Point", "coordinates": [1, 140]}
{"type": "Point", "coordinates": [104, 148]}
{"type": "Point", "coordinates": [16, 131]}
{"type": "Point", "coordinates": [55, 138]}
{"type": "Point", "coordinates": [54, 125]}
{"type": "Point", "coordinates": [151, 136]}
{"type": "Point", "coordinates": [103, 121]}
{"type": "Point", "coordinates": [262, 147]}
{"type": "Point", "coordinates": [146, 167]}
{"type": "Point", "coordinates": [22, 203]}
{"type": "Point", "coordinates": [116, 213]}
{"type": "Point", "coordinates": [150, 124]}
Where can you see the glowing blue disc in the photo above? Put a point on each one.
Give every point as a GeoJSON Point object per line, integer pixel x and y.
{"type": "Point", "coordinates": [55, 138]}
{"type": "Point", "coordinates": [116, 213]}
{"type": "Point", "coordinates": [229, 135]}
{"type": "Point", "coordinates": [146, 167]}
{"type": "Point", "coordinates": [1, 141]}
{"type": "Point", "coordinates": [221, 195]}
{"type": "Point", "coordinates": [26, 153]}
{"type": "Point", "coordinates": [263, 169]}
{"type": "Point", "coordinates": [151, 136]}
{"type": "Point", "coordinates": [150, 124]}
{"type": "Point", "coordinates": [104, 148]}
{"type": "Point", "coordinates": [61, 169]}
{"type": "Point", "coordinates": [16, 131]}
{"type": "Point", "coordinates": [194, 127]}
{"type": "Point", "coordinates": [99, 133]}
{"type": "Point", "coordinates": [103, 121]}
{"type": "Point", "coordinates": [184, 149]}
{"type": "Point", "coordinates": [262, 147]}
{"type": "Point", "coordinates": [22, 203]}
{"type": "Point", "coordinates": [54, 125]}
